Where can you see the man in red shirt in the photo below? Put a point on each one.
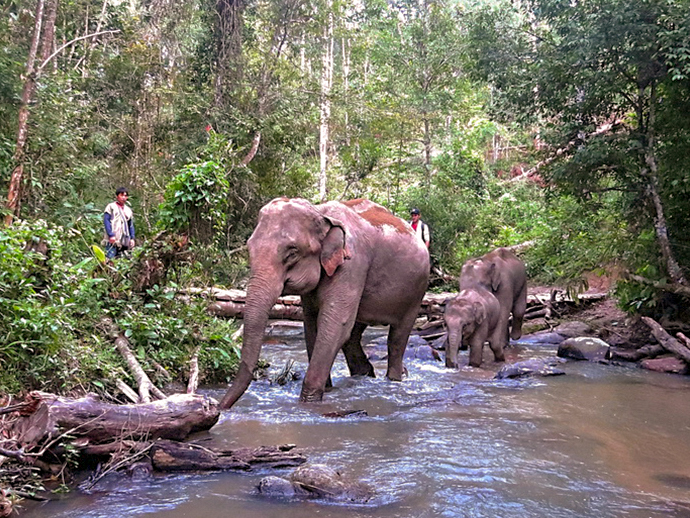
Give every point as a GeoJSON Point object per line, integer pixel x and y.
{"type": "Point", "coordinates": [420, 228]}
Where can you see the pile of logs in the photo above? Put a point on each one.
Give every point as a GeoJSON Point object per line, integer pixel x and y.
{"type": "Point", "coordinates": [678, 347]}
{"type": "Point", "coordinates": [230, 304]}
{"type": "Point", "coordinates": [50, 433]}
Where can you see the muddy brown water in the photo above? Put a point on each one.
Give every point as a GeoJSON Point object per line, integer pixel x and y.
{"type": "Point", "coordinates": [601, 441]}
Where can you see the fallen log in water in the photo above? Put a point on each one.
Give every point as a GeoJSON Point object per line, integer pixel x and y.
{"type": "Point", "coordinates": [96, 422]}
{"type": "Point", "coordinates": [176, 456]}
{"type": "Point", "coordinates": [50, 433]}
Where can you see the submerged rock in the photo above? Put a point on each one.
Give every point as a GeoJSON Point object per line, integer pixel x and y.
{"type": "Point", "coordinates": [416, 341]}
{"type": "Point", "coordinates": [346, 413]}
{"type": "Point", "coordinates": [440, 343]}
{"type": "Point", "coordinates": [273, 486]}
{"type": "Point", "coordinates": [574, 329]}
{"type": "Point", "coordinates": [668, 364]}
{"type": "Point", "coordinates": [316, 481]}
{"type": "Point", "coordinates": [412, 341]}
{"type": "Point", "coordinates": [532, 367]}
{"type": "Point", "coordinates": [542, 338]}
{"type": "Point", "coordinates": [423, 352]}
{"type": "Point", "coordinates": [584, 348]}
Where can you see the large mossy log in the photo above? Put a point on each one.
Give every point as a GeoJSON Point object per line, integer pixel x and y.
{"type": "Point", "coordinates": [175, 456]}
{"type": "Point", "coordinates": [89, 418]}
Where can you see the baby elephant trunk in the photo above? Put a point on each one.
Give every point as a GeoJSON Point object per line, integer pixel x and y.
{"type": "Point", "coordinates": [453, 343]}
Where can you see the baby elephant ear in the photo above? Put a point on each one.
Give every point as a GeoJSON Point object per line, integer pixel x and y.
{"type": "Point", "coordinates": [479, 312]}
{"type": "Point", "coordinates": [333, 252]}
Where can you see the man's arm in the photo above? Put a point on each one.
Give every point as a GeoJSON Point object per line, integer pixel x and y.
{"type": "Point", "coordinates": [108, 224]}
{"type": "Point", "coordinates": [131, 227]}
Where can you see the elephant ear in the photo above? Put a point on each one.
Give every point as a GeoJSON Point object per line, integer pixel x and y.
{"type": "Point", "coordinates": [479, 312]}
{"type": "Point", "coordinates": [495, 276]}
{"type": "Point", "coordinates": [333, 252]}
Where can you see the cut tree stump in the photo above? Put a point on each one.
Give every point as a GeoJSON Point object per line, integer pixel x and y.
{"type": "Point", "coordinates": [96, 422]}
{"type": "Point", "coordinates": [175, 456]}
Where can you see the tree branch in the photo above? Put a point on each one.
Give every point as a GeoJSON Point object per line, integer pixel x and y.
{"type": "Point", "coordinates": [72, 42]}
{"type": "Point", "coordinates": [146, 386]}
{"type": "Point", "coordinates": [667, 341]}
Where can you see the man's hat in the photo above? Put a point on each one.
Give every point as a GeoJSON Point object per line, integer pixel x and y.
{"type": "Point", "coordinates": [414, 211]}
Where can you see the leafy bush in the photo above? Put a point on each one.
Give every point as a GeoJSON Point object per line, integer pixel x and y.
{"type": "Point", "coordinates": [195, 200]}
{"type": "Point", "coordinates": [51, 326]}
{"type": "Point", "coordinates": [577, 238]}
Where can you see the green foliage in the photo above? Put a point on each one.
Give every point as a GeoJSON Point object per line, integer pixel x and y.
{"type": "Point", "coordinates": [576, 238]}
{"type": "Point", "coordinates": [198, 194]}
{"type": "Point", "coordinates": [54, 299]}
{"type": "Point", "coordinates": [167, 330]}
{"type": "Point", "coordinates": [606, 81]}
{"type": "Point", "coordinates": [38, 293]}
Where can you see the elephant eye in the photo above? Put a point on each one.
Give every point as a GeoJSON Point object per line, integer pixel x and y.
{"type": "Point", "coordinates": [291, 255]}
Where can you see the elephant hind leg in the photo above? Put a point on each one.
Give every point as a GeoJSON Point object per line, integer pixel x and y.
{"type": "Point", "coordinates": [357, 361]}
{"type": "Point", "coordinates": [397, 343]}
{"type": "Point", "coordinates": [495, 345]}
{"type": "Point", "coordinates": [519, 308]}
{"type": "Point", "coordinates": [496, 348]}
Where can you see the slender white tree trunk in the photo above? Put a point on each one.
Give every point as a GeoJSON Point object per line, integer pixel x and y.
{"type": "Point", "coordinates": [346, 84]}
{"type": "Point", "coordinates": [326, 84]}
{"type": "Point", "coordinates": [650, 172]}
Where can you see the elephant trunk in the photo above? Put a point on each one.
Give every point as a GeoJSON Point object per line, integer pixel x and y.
{"type": "Point", "coordinates": [261, 295]}
{"type": "Point", "coordinates": [452, 345]}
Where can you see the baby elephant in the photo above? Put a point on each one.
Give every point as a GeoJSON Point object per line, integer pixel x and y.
{"type": "Point", "coordinates": [472, 318]}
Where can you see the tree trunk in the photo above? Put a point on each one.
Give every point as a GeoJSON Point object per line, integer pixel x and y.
{"type": "Point", "coordinates": [48, 38]}
{"type": "Point", "coordinates": [326, 84]}
{"type": "Point", "coordinates": [230, 16]}
{"type": "Point", "coordinates": [231, 304]}
{"type": "Point", "coordinates": [427, 150]}
{"type": "Point", "coordinates": [650, 172]}
{"type": "Point", "coordinates": [661, 227]}
{"type": "Point", "coordinates": [346, 85]}
{"type": "Point", "coordinates": [14, 190]}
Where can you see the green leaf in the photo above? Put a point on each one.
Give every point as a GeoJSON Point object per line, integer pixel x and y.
{"type": "Point", "coordinates": [99, 253]}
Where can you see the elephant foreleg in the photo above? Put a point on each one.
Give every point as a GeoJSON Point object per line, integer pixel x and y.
{"type": "Point", "coordinates": [357, 361]}
{"type": "Point", "coordinates": [311, 314]}
{"type": "Point", "coordinates": [476, 350]}
{"type": "Point", "coordinates": [334, 328]}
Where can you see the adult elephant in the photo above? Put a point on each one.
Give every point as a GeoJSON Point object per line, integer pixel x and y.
{"type": "Point", "coordinates": [503, 274]}
{"type": "Point", "coordinates": [472, 318]}
{"type": "Point", "coordinates": [353, 263]}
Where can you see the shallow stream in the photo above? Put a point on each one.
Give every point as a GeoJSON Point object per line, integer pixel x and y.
{"type": "Point", "coordinates": [600, 441]}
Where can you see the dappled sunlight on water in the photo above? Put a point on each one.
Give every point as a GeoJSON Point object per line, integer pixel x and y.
{"type": "Point", "coordinates": [599, 442]}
